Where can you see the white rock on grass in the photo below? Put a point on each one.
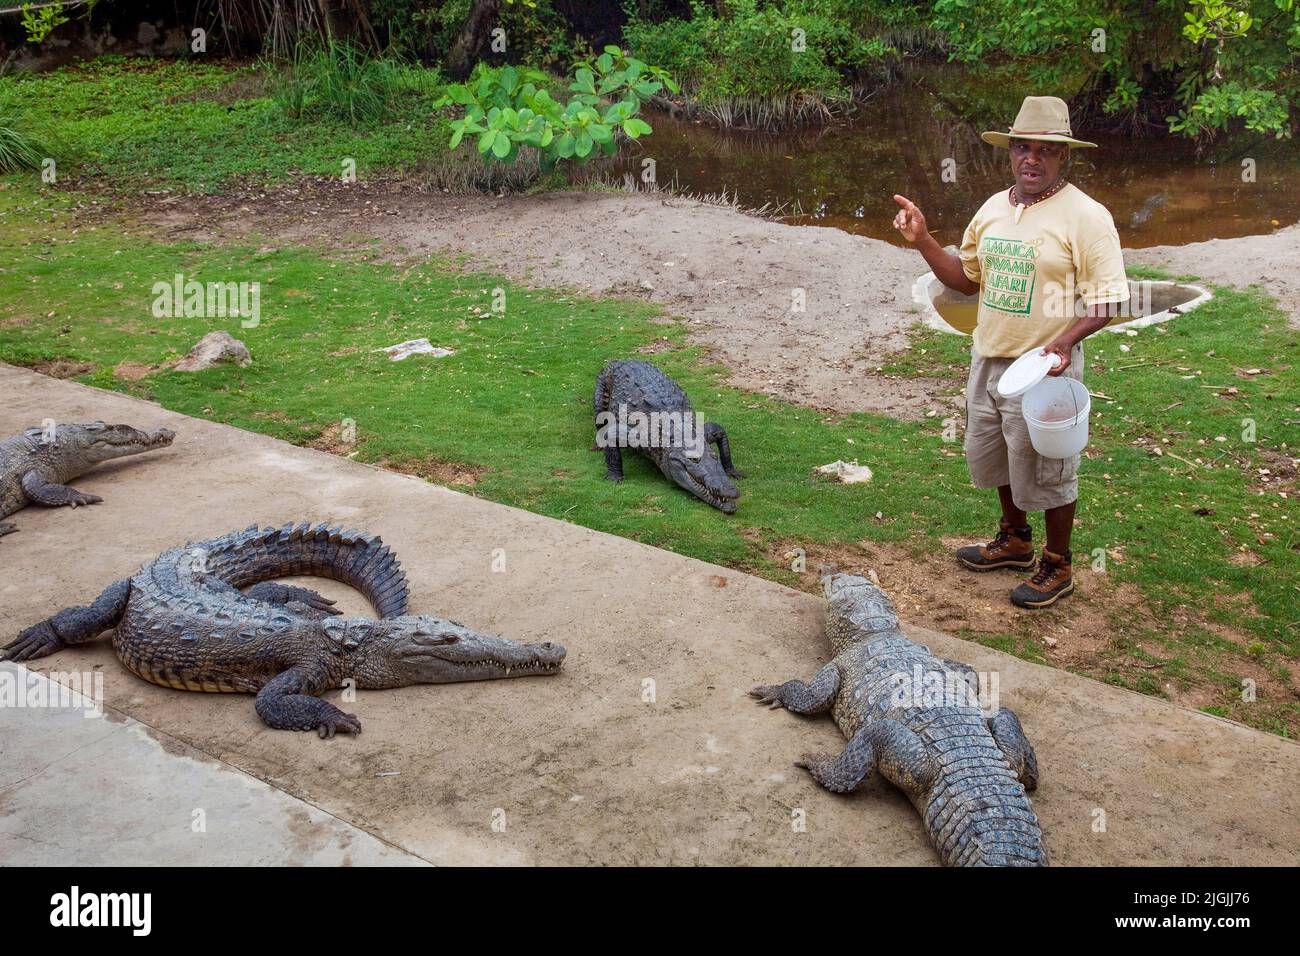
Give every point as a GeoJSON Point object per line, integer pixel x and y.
{"type": "Point", "coordinates": [213, 349]}
{"type": "Point", "coordinates": [848, 472]}
{"type": "Point", "coordinates": [415, 347]}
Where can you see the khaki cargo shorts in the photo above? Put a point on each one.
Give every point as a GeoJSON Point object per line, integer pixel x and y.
{"type": "Point", "coordinates": [998, 451]}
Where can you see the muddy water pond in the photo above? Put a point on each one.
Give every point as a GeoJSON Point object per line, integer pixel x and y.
{"type": "Point", "coordinates": [904, 139]}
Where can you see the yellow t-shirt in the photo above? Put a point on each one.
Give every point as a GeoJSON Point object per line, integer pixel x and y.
{"type": "Point", "coordinates": [1039, 275]}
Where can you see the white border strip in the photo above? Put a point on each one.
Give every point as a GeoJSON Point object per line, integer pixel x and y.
{"type": "Point", "coordinates": [921, 296]}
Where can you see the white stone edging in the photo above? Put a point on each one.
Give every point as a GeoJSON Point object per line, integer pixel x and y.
{"type": "Point", "coordinates": [921, 296]}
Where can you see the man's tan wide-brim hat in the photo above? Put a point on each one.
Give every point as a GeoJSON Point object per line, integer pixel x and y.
{"type": "Point", "coordinates": [1040, 117]}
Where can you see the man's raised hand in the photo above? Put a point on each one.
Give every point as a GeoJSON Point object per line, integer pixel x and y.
{"type": "Point", "coordinates": [910, 221]}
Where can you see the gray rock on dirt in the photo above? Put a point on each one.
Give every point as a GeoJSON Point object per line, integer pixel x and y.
{"type": "Point", "coordinates": [213, 349]}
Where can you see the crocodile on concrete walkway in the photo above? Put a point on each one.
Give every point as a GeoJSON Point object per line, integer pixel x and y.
{"type": "Point", "coordinates": [36, 463]}
{"type": "Point", "coordinates": [209, 617]}
{"type": "Point", "coordinates": [917, 720]}
{"type": "Point", "coordinates": [638, 406]}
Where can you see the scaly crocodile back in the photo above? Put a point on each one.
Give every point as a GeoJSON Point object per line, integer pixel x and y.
{"type": "Point", "coordinates": [639, 386]}
{"type": "Point", "coordinates": [188, 625]}
{"type": "Point", "coordinates": [975, 809]}
{"type": "Point", "coordinates": [642, 387]}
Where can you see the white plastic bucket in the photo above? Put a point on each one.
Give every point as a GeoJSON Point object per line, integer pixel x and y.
{"type": "Point", "coordinates": [1056, 411]}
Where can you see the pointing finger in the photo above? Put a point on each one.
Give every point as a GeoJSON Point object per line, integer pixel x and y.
{"type": "Point", "coordinates": [908, 205]}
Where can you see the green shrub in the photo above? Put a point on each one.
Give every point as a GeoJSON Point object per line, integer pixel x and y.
{"type": "Point", "coordinates": [40, 22]}
{"type": "Point", "coordinates": [510, 109]}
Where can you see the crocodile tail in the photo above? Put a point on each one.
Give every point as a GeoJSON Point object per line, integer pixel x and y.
{"type": "Point", "coordinates": [604, 386]}
{"type": "Point", "coordinates": [350, 556]}
{"type": "Point", "coordinates": [985, 820]}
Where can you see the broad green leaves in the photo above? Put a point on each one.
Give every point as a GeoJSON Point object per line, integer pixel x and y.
{"type": "Point", "coordinates": [509, 108]}
{"type": "Point", "coordinates": [1215, 20]}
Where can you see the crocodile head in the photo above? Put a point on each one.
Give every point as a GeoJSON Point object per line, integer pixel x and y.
{"type": "Point", "coordinates": [97, 442]}
{"type": "Point", "coordinates": [703, 477]}
{"type": "Point", "coordinates": [400, 651]}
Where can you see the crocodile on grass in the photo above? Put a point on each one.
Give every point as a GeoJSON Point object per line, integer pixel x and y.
{"type": "Point", "coordinates": [916, 719]}
{"type": "Point", "coordinates": [638, 406]}
{"type": "Point", "coordinates": [36, 463]}
{"type": "Point", "coordinates": [209, 617]}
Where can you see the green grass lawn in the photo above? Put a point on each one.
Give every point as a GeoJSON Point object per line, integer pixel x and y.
{"type": "Point", "coordinates": [137, 124]}
{"type": "Point", "coordinates": [1205, 537]}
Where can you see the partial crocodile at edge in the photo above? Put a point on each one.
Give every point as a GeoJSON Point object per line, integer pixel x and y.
{"type": "Point", "coordinates": [37, 463]}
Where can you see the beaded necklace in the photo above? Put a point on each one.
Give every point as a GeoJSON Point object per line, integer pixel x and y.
{"type": "Point", "coordinates": [1022, 206]}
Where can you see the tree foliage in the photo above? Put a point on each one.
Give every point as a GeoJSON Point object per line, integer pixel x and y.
{"type": "Point", "coordinates": [762, 49]}
{"type": "Point", "coordinates": [1202, 66]}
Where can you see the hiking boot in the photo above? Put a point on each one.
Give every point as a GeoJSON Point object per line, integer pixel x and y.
{"type": "Point", "coordinates": [1050, 583]}
{"type": "Point", "coordinates": [1012, 548]}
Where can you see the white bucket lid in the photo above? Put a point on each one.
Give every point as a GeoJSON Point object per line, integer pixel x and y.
{"type": "Point", "coordinates": [1026, 372]}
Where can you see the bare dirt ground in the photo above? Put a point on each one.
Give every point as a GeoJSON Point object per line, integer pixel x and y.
{"type": "Point", "coordinates": [735, 278]}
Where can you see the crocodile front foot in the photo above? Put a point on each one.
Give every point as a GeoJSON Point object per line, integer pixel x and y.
{"type": "Point", "coordinates": [815, 697]}
{"type": "Point", "coordinates": [7, 528]}
{"type": "Point", "coordinates": [283, 705]}
{"type": "Point", "coordinates": [301, 712]}
{"type": "Point", "coordinates": [337, 723]}
{"type": "Point", "coordinates": [39, 640]}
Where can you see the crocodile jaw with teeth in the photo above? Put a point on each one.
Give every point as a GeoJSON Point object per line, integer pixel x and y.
{"type": "Point", "coordinates": [426, 650]}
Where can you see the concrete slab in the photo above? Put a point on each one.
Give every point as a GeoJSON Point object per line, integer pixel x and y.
{"type": "Point", "coordinates": [588, 766]}
{"type": "Point", "coordinates": [84, 785]}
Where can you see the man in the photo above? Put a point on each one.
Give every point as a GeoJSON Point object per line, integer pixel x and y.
{"type": "Point", "coordinates": [1046, 261]}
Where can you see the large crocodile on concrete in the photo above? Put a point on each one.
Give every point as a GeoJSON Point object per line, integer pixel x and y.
{"type": "Point", "coordinates": [36, 463]}
{"type": "Point", "coordinates": [209, 617]}
{"type": "Point", "coordinates": [917, 720]}
{"type": "Point", "coordinates": [638, 406]}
